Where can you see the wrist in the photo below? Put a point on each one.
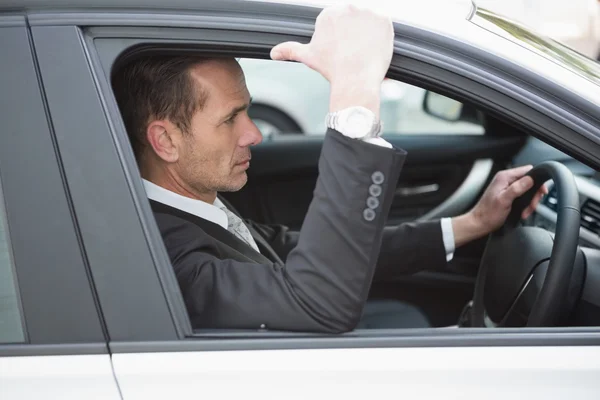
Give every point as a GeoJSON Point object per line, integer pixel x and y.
{"type": "Point", "coordinates": [355, 92]}
{"type": "Point", "coordinates": [466, 228]}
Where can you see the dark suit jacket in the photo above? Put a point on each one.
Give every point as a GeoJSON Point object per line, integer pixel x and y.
{"type": "Point", "coordinates": [315, 280]}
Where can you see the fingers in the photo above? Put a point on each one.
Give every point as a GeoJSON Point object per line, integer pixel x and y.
{"type": "Point", "coordinates": [292, 51]}
{"type": "Point", "coordinates": [507, 177]}
{"type": "Point", "coordinates": [518, 185]}
{"type": "Point", "coordinates": [511, 175]}
{"type": "Point", "coordinates": [534, 202]}
{"type": "Point", "coordinates": [516, 189]}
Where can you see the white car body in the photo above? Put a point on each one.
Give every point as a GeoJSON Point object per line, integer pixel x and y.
{"type": "Point", "coordinates": [472, 373]}
{"type": "Point", "coordinates": [201, 368]}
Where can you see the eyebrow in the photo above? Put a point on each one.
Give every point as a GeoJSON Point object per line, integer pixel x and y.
{"type": "Point", "coordinates": [236, 110]}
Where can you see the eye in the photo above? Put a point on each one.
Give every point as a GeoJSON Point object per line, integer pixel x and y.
{"type": "Point", "coordinates": [231, 120]}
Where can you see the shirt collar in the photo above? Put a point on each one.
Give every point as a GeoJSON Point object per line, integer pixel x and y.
{"type": "Point", "coordinates": [199, 208]}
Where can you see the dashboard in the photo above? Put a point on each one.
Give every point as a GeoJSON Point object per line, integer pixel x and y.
{"type": "Point", "coordinates": [589, 198]}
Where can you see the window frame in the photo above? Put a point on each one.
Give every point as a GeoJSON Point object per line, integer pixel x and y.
{"type": "Point", "coordinates": [49, 263]}
{"type": "Point", "coordinates": [419, 65]}
{"type": "Point", "coordinates": [116, 245]}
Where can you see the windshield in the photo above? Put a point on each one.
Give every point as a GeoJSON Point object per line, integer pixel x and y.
{"type": "Point", "coordinates": [552, 50]}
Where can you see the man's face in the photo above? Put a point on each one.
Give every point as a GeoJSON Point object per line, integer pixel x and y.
{"type": "Point", "coordinates": [215, 154]}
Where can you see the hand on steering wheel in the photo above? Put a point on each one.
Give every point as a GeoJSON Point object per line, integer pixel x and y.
{"type": "Point", "coordinates": [528, 276]}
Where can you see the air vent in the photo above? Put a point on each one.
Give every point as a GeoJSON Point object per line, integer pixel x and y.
{"type": "Point", "coordinates": [550, 200]}
{"type": "Point", "coordinates": [590, 216]}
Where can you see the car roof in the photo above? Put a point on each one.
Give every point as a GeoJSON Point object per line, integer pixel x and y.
{"type": "Point", "coordinates": [429, 12]}
{"type": "Point", "coordinates": [399, 10]}
{"type": "Point", "coordinates": [455, 19]}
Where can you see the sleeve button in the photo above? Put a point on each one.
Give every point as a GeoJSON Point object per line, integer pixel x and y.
{"type": "Point", "coordinates": [372, 202]}
{"type": "Point", "coordinates": [375, 190]}
{"type": "Point", "coordinates": [377, 177]}
{"type": "Point", "coordinates": [368, 214]}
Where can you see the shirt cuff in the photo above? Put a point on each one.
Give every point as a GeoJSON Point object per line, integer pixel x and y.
{"type": "Point", "coordinates": [448, 238]}
{"type": "Point", "coordinates": [379, 142]}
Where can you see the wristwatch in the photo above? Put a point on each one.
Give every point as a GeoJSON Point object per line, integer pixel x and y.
{"type": "Point", "coordinates": [355, 122]}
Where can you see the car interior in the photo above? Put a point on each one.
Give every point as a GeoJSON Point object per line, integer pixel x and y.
{"type": "Point", "coordinates": [444, 175]}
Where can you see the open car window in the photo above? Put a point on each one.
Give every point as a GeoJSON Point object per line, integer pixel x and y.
{"type": "Point", "coordinates": [290, 98]}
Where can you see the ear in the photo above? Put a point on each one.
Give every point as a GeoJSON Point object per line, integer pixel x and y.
{"type": "Point", "coordinates": [163, 139]}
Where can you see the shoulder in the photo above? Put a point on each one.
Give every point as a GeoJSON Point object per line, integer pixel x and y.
{"type": "Point", "coordinates": [180, 234]}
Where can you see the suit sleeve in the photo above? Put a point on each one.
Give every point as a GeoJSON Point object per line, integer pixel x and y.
{"type": "Point", "coordinates": [405, 249]}
{"type": "Point", "coordinates": [324, 283]}
{"type": "Point", "coordinates": [409, 248]}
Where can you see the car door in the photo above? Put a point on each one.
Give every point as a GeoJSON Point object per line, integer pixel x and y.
{"type": "Point", "coordinates": [154, 351]}
{"type": "Point", "coordinates": [52, 343]}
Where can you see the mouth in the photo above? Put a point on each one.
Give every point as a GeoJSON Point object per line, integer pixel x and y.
{"type": "Point", "coordinates": [245, 163]}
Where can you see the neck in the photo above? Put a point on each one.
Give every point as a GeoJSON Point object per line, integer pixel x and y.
{"type": "Point", "coordinates": [174, 184]}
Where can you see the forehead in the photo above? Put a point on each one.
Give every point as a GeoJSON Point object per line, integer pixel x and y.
{"type": "Point", "coordinates": [222, 78]}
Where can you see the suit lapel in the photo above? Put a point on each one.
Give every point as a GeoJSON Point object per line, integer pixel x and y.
{"type": "Point", "coordinates": [217, 232]}
{"type": "Point", "coordinates": [263, 245]}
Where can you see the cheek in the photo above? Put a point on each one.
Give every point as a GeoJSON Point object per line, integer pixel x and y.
{"type": "Point", "coordinates": [214, 157]}
{"type": "Point", "coordinates": [226, 145]}
{"type": "Point", "coordinates": [196, 156]}
{"type": "Point", "coordinates": [213, 150]}
{"type": "Point", "coordinates": [202, 145]}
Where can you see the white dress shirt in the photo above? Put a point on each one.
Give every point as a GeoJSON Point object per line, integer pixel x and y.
{"type": "Point", "coordinates": [448, 238]}
{"type": "Point", "coordinates": [216, 213]}
{"type": "Point", "coordinates": [199, 208]}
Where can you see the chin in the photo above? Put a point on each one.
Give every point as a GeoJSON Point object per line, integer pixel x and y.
{"type": "Point", "coordinates": [235, 183]}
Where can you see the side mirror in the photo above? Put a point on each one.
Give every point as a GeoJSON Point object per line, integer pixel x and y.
{"type": "Point", "coordinates": [445, 108]}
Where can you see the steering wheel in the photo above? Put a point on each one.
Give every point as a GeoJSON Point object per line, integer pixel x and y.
{"type": "Point", "coordinates": [527, 276]}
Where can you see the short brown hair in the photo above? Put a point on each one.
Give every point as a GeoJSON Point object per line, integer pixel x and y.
{"type": "Point", "coordinates": [157, 87]}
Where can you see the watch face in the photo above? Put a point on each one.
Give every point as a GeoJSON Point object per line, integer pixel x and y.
{"type": "Point", "coordinates": [358, 123]}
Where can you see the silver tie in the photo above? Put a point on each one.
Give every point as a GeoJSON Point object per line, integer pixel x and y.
{"type": "Point", "coordinates": [236, 226]}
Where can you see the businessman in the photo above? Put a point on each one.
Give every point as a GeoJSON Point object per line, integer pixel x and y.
{"type": "Point", "coordinates": [191, 134]}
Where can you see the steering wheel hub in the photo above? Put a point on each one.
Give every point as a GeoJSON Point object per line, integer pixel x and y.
{"type": "Point", "coordinates": [511, 261]}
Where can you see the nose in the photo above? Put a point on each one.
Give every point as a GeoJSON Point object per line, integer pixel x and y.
{"type": "Point", "coordinates": [250, 136]}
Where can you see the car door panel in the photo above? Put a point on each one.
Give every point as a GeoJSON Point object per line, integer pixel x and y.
{"type": "Point", "coordinates": [357, 373]}
{"type": "Point", "coordinates": [62, 377]}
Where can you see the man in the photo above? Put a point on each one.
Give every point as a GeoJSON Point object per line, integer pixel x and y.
{"type": "Point", "coordinates": [191, 134]}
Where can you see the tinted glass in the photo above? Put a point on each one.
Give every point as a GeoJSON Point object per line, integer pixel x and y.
{"type": "Point", "coordinates": [11, 327]}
